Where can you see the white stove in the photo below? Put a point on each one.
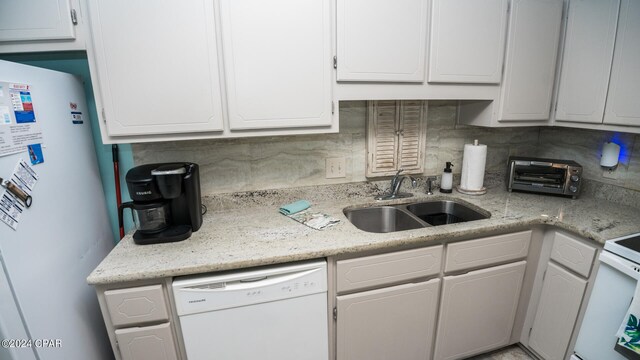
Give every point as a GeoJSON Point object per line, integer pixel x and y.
{"type": "Point", "coordinates": [627, 246]}
{"type": "Point", "coordinates": [613, 291]}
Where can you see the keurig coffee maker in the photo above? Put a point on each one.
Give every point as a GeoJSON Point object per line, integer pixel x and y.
{"type": "Point", "coordinates": [166, 203]}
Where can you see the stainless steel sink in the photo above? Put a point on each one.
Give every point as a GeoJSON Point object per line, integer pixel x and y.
{"type": "Point", "coordinates": [384, 219]}
{"type": "Point", "coordinates": [444, 212]}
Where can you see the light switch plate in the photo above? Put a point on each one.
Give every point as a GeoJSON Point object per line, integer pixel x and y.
{"type": "Point", "coordinates": [336, 167]}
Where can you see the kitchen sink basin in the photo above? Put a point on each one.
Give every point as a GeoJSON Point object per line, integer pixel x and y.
{"type": "Point", "coordinates": [384, 219]}
{"type": "Point", "coordinates": [444, 212]}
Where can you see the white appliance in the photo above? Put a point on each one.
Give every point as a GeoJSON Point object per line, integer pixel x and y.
{"type": "Point", "coordinates": [62, 237]}
{"type": "Point", "coordinates": [274, 313]}
{"type": "Point", "coordinates": [612, 293]}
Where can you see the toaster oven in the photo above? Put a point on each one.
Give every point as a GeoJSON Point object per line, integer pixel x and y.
{"type": "Point", "coordinates": [547, 176]}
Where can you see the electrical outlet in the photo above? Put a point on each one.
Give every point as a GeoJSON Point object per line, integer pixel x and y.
{"type": "Point", "coordinates": [611, 173]}
{"type": "Point", "coordinates": [336, 168]}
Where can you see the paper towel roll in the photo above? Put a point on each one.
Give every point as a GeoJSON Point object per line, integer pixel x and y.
{"type": "Point", "coordinates": [473, 162]}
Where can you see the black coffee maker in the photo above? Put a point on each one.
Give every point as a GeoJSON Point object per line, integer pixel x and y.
{"type": "Point", "coordinates": [166, 202]}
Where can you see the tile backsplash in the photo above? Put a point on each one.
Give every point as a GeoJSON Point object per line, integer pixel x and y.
{"type": "Point", "coordinates": [276, 162]}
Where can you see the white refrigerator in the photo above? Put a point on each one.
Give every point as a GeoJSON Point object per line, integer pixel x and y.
{"type": "Point", "coordinates": [65, 233]}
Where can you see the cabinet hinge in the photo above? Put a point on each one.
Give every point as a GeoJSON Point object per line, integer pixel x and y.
{"type": "Point", "coordinates": [544, 275]}
{"type": "Point", "coordinates": [530, 330]}
{"type": "Point", "coordinates": [104, 116]}
{"type": "Point", "coordinates": [335, 62]}
{"type": "Point", "coordinates": [508, 7]}
{"type": "Point", "coordinates": [335, 313]}
{"type": "Point", "coordinates": [333, 107]}
{"type": "Point", "coordinates": [74, 17]}
{"type": "Point", "coordinates": [118, 348]}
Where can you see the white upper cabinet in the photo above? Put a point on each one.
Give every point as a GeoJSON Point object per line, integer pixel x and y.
{"type": "Point", "coordinates": [623, 106]}
{"type": "Point", "coordinates": [277, 63]}
{"type": "Point", "coordinates": [588, 52]}
{"type": "Point", "coordinates": [382, 40]}
{"type": "Point", "coordinates": [156, 66]}
{"type": "Point", "coordinates": [532, 46]}
{"type": "Point", "coordinates": [467, 40]}
{"type": "Point", "coordinates": [26, 20]}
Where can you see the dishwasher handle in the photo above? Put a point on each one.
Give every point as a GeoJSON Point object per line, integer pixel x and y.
{"type": "Point", "coordinates": [250, 283]}
{"type": "Point", "coordinates": [213, 293]}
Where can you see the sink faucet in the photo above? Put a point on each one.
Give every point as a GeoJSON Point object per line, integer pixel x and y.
{"type": "Point", "coordinates": [394, 189]}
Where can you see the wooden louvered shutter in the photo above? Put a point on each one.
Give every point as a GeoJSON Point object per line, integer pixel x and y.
{"type": "Point", "coordinates": [382, 138]}
{"type": "Point", "coordinates": [412, 131]}
{"type": "Point", "coordinates": [396, 135]}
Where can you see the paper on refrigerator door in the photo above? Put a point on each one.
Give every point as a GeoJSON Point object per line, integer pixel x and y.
{"type": "Point", "coordinates": [11, 208]}
{"type": "Point", "coordinates": [18, 124]}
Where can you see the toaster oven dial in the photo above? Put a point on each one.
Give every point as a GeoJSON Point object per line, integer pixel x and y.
{"type": "Point", "coordinates": [575, 178]}
{"type": "Point", "coordinates": [573, 188]}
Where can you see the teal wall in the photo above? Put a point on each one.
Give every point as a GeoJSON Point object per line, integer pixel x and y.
{"type": "Point", "coordinates": [76, 63]}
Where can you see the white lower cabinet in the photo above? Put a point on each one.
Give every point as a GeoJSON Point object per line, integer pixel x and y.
{"type": "Point", "coordinates": [147, 343]}
{"type": "Point", "coordinates": [138, 321]}
{"type": "Point", "coordinates": [560, 300]}
{"type": "Point", "coordinates": [478, 310]}
{"type": "Point", "coordinates": [390, 323]}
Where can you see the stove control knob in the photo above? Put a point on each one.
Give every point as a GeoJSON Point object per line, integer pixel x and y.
{"type": "Point", "coordinates": [575, 178]}
{"type": "Point", "coordinates": [573, 188]}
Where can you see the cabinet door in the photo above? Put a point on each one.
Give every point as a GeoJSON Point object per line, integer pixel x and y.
{"type": "Point", "coordinates": [588, 52]}
{"type": "Point", "coordinates": [278, 63]}
{"type": "Point", "coordinates": [157, 66]}
{"type": "Point", "coordinates": [477, 311]}
{"type": "Point", "coordinates": [532, 46]}
{"type": "Point", "coordinates": [26, 20]}
{"type": "Point", "coordinates": [467, 40]}
{"type": "Point", "coordinates": [390, 323]}
{"type": "Point", "coordinates": [560, 301]}
{"type": "Point", "coordinates": [147, 343]}
{"type": "Point", "coordinates": [623, 107]}
{"type": "Point", "coordinates": [382, 40]}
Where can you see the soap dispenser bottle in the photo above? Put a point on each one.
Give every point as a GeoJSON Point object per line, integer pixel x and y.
{"type": "Point", "coordinates": [446, 183]}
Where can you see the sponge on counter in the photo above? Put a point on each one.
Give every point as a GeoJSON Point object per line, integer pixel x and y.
{"type": "Point", "coordinates": [294, 207]}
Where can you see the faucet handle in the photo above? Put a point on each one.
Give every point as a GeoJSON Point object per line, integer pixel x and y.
{"type": "Point", "coordinates": [430, 185]}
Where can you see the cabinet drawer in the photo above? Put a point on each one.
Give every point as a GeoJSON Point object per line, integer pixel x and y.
{"type": "Point", "coordinates": [388, 268]}
{"type": "Point", "coordinates": [573, 254]}
{"type": "Point", "coordinates": [487, 251]}
{"type": "Point", "coordinates": [136, 305]}
{"type": "Point", "coordinates": [151, 342]}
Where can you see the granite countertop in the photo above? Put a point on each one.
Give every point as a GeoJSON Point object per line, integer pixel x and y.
{"type": "Point", "coordinates": [245, 229]}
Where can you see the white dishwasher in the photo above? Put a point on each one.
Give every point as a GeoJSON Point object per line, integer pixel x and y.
{"type": "Point", "coordinates": [272, 313]}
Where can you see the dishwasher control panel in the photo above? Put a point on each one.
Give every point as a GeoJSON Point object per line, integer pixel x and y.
{"type": "Point", "coordinates": [202, 293]}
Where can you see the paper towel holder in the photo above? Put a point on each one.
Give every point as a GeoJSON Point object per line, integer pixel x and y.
{"type": "Point", "coordinates": [610, 155]}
